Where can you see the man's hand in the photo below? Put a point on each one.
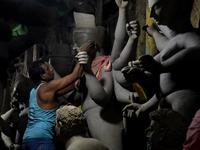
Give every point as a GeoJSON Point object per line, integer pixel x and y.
{"type": "Point", "coordinates": [89, 47]}
{"type": "Point", "coordinates": [121, 3]}
{"type": "Point", "coordinates": [133, 29]}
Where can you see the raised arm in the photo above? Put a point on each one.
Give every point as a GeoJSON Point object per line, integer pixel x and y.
{"type": "Point", "coordinates": [160, 39]}
{"type": "Point", "coordinates": [100, 91]}
{"type": "Point", "coordinates": [61, 83]}
{"type": "Point", "coordinates": [129, 50]}
{"type": "Point", "coordinates": [120, 30]}
{"type": "Point", "coordinates": [50, 89]}
{"type": "Point", "coordinates": [65, 90]}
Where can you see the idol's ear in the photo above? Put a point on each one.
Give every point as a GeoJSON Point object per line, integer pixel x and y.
{"type": "Point", "coordinates": [163, 133]}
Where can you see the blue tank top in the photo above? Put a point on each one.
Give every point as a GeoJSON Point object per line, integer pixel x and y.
{"type": "Point", "coordinates": [41, 123]}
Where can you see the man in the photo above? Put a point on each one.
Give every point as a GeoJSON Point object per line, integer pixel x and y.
{"type": "Point", "coordinates": [71, 130]}
{"type": "Point", "coordinates": [175, 67]}
{"type": "Point", "coordinates": [43, 104]}
{"type": "Point", "coordinates": [167, 130]}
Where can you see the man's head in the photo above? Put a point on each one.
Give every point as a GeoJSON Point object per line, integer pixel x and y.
{"type": "Point", "coordinates": [166, 11]}
{"type": "Point", "coordinates": [39, 71]}
{"type": "Point", "coordinates": [167, 130]}
{"type": "Point", "coordinates": [69, 121]}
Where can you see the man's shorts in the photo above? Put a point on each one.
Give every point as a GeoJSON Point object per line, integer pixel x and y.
{"type": "Point", "coordinates": [38, 144]}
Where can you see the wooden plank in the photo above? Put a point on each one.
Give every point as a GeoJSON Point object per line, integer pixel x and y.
{"type": "Point", "coordinates": [35, 52]}
{"type": "Point", "coordinates": [99, 12]}
{"type": "Point", "coordinates": [141, 17]}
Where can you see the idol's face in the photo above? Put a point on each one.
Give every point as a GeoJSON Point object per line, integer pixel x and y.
{"type": "Point", "coordinates": [162, 11]}
{"type": "Point", "coordinates": [58, 134]}
{"type": "Point", "coordinates": [154, 134]}
{"type": "Point", "coordinates": [57, 128]}
{"type": "Point", "coordinates": [82, 38]}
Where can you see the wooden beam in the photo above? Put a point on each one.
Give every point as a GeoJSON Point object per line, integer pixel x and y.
{"type": "Point", "coordinates": [35, 52]}
{"type": "Point", "coordinates": [141, 17]}
{"type": "Point", "coordinates": [99, 12]}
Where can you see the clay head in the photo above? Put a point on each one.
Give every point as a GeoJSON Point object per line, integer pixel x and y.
{"type": "Point", "coordinates": [165, 11]}
{"type": "Point", "coordinates": [69, 121]}
{"type": "Point", "coordinates": [167, 130]}
{"type": "Point", "coordinates": [22, 89]}
{"type": "Point", "coordinates": [82, 35]}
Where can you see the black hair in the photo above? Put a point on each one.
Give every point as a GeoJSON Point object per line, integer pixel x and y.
{"type": "Point", "coordinates": [35, 70]}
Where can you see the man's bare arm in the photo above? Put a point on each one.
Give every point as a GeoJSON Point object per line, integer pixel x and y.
{"type": "Point", "coordinates": [48, 92]}
{"type": "Point", "coordinates": [65, 90]}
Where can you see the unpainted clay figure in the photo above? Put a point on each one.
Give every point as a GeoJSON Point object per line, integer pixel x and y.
{"type": "Point", "coordinates": [193, 134]}
{"type": "Point", "coordinates": [122, 52]}
{"type": "Point", "coordinates": [103, 121]}
{"type": "Point", "coordinates": [167, 130]}
{"type": "Point", "coordinates": [174, 67]}
{"type": "Point", "coordinates": [11, 118]}
{"type": "Point", "coordinates": [18, 114]}
{"type": "Point", "coordinates": [71, 130]}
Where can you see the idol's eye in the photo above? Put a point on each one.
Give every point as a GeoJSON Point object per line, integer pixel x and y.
{"type": "Point", "coordinates": [158, 5]}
